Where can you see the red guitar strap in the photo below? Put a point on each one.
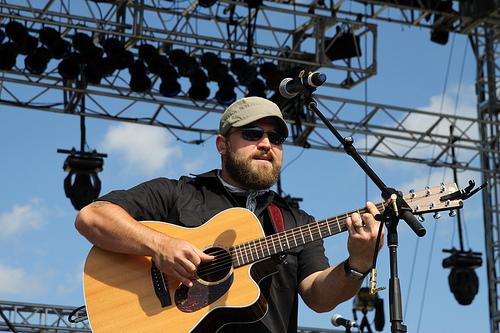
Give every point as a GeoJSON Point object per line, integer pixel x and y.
{"type": "Point", "coordinates": [276, 217]}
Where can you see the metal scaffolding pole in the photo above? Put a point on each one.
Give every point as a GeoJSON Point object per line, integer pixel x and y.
{"type": "Point", "coordinates": [487, 51]}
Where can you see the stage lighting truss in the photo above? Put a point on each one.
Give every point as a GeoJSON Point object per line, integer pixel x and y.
{"type": "Point", "coordinates": [222, 29]}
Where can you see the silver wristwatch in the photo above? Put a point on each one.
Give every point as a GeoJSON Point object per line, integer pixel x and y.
{"type": "Point", "coordinates": [352, 273]}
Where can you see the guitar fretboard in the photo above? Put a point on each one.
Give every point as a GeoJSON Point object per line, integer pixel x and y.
{"type": "Point", "coordinates": [249, 252]}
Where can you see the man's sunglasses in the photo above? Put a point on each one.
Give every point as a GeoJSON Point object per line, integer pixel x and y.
{"type": "Point", "coordinates": [256, 133]}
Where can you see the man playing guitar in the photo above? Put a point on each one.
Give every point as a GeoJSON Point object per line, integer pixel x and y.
{"type": "Point", "coordinates": [252, 133]}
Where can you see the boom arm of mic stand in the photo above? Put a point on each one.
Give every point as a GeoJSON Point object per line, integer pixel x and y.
{"type": "Point", "coordinates": [405, 212]}
{"type": "Point", "coordinates": [391, 216]}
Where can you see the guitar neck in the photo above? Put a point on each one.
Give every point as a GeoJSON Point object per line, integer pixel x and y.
{"type": "Point", "coordinates": [247, 253]}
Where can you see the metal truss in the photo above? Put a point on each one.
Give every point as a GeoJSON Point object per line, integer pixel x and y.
{"type": "Point", "coordinates": [270, 33]}
{"type": "Point", "coordinates": [31, 317]}
{"type": "Point", "coordinates": [487, 52]}
{"type": "Point", "coordinates": [389, 131]}
{"type": "Point", "coordinates": [418, 13]}
{"type": "Point", "coordinates": [36, 318]}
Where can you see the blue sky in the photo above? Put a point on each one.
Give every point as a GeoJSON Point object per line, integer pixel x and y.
{"type": "Point", "coordinates": [42, 255]}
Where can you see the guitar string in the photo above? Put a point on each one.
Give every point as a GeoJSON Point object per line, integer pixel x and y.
{"type": "Point", "coordinates": [257, 247]}
{"type": "Point", "coordinates": [255, 250]}
{"type": "Point", "coordinates": [253, 255]}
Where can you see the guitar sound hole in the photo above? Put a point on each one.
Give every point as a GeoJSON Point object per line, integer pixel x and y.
{"type": "Point", "coordinates": [217, 269]}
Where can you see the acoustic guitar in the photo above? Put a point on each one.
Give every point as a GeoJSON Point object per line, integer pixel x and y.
{"type": "Point", "coordinates": [126, 293]}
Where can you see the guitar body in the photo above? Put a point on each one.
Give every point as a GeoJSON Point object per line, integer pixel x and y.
{"type": "Point", "coordinates": [122, 294]}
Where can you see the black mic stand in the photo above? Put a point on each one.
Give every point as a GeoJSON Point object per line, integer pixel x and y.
{"type": "Point", "coordinates": [398, 209]}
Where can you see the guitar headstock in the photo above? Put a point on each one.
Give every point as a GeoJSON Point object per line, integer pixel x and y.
{"type": "Point", "coordinates": [429, 200]}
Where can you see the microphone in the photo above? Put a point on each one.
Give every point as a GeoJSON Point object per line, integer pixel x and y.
{"type": "Point", "coordinates": [338, 320]}
{"type": "Point", "coordinates": [289, 88]}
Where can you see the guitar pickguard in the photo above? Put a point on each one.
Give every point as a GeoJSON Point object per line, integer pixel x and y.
{"type": "Point", "coordinates": [200, 294]}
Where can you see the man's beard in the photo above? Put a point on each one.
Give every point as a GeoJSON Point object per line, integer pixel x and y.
{"type": "Point", "coordinates": [251, 177]}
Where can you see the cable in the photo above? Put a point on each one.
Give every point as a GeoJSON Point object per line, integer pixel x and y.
{"type": "Point", "coordinates": [73, 316]}
{"type": "Point", "coordinates": [412, 274]}
{"type": "Point", "coordinates": [429, 259]}
{"type": "Point", "coordinates": [457, 97]}
{"type": "Point", "coordinates": [428, 181]}
{"type": "Point", "coordinates": [293, 160]}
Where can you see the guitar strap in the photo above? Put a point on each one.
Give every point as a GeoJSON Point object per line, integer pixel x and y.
{"type": "Point", "coordinates": [276, 217]}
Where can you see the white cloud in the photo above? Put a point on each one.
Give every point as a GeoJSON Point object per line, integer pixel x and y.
{"type": "Point", "coordinates": [466, 105]}
{"type": "Point", "coordinates": [146, 149]}
{"type": "Point", "coordinates": [21, 218]}
{"type": "Point", "coordinates": [420, 123]}
{"type": "Point", "coordinates": [439, 104]}
{"type": "Point", "coordinates": [17, 281]}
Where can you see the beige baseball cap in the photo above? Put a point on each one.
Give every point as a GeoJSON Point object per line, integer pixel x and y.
{"type": "Point", "coordinates": [249, 109]}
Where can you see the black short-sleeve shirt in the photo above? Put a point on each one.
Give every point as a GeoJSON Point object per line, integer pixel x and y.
{"type": "Point", "coordinates": [192, 201]}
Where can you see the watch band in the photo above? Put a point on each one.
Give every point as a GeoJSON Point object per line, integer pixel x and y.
{"type": "Point", "coordinates": [352, 273]}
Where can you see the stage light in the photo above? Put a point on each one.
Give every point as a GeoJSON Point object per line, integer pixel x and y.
{"type": "Point", "coordinates": [343, 45]}
{"type": "Point", "coordinates": [157, 63]}
{"type": "Point", "coordinates": [186, 65]}
{"type": "Point", "coordinates": [365, 302]}
{"type": "Point", "coordinates": [82, 185]}
{"type": "Point", "coordinates": [215, 69]}
{"type": "Point", "coordinates": [267, 69]}
{"type": "Point", "coordinates": [95, 71]}
{"type": "Point", "coordinates": [199, 90]}
{"type": "Point", "coordinates": [119, 56]}
{"type": "Point", "coordinates": [463, 280]}
{"type": "Point", "coordinates": [58, 47]}
{"type": "Point", "coordinates": [226, 95]}
{"type": "Point", "coordinates": [245, 72]}
{"type": "Point", "coordinates": [20, 36]}
{"type": "Point", "coordinates": [257, 88]}
{"type": "Point", "coordinates": [177, 56]}
{"type": "Point", "coordinates": [139, 80]}
{"type": "Point", "coordinates": [217, 72]}
{"type": "Point", "coordinates": [147, 52]}
{"type": "Point", "coordinates": [37, 60]}
{"type": "Point", "coordinates": [254, 3]}
{"type": "Point", "coordinates": [86, 47]}
{"type": "Point", "coordinates": [274, 79]}
{"type": "Point", "coordinates": [441, 25]}
{"type": "Point", "coordinates": [209, 59]}
{"type": "Point", "coordinates": [153, 59]}
{"type": "Point", "coordinates": [16, 32]}
{"type": "Point", "coordinates": [207, 3]}
{"type": "Point", "coordinates": [169, 86]}
{"type": "Point", "coordinates": [70, 67]}
{"type": "Point", "coordinates": [8, 55]}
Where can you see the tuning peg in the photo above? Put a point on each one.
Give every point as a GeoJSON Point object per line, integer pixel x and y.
{"type": "Point", "coordinates": [412, 193]}
{"type": "Point", "coordinates": [452, 213]}
{"type": "Point", "coordinates": [437, 215]}
{"type": "Point", "coordinates": [427, 191]}
{"type": "Point", "coordinates": [420, 218]}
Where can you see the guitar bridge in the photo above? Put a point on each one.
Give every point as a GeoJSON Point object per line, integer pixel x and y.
{"type": "Point", "coordinates": [160, 287]}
